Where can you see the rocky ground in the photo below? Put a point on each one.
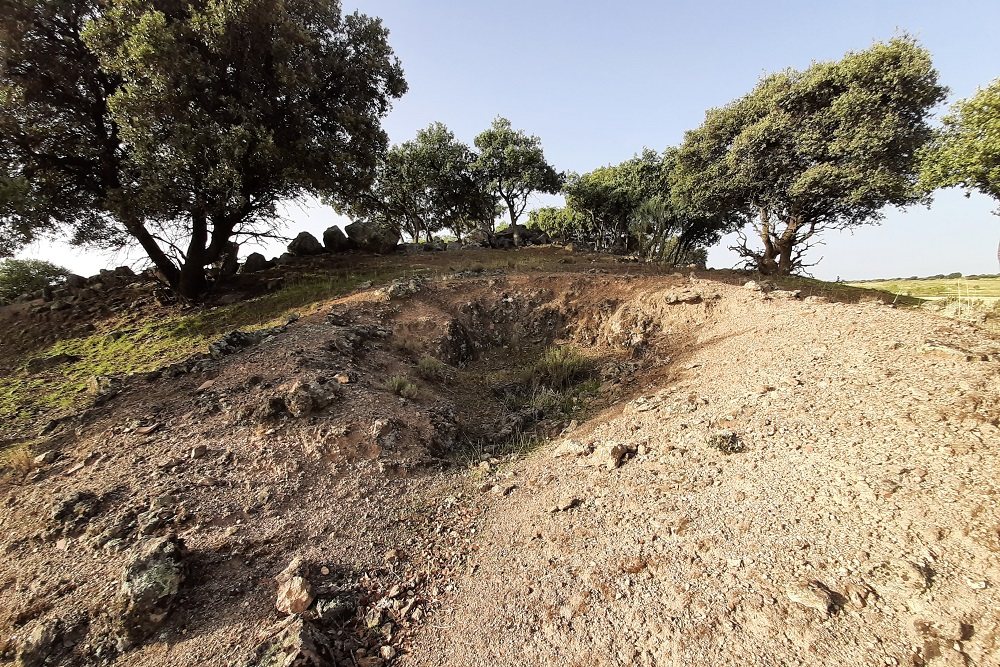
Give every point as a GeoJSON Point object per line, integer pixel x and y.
{"type": "Point", "coordinates": [750, 477]}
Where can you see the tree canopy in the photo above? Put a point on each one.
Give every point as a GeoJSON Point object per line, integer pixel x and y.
{"type": "Point", "coordinates": [182, 123]}
{"type": "Point", "coordinates": [514, 166]}
{"type": "Point", "coordinates": [426, 185]}
{"type": "Point", "coordinates": [807, 151]}
{"type": "Point", "coordinates": [966, 153]}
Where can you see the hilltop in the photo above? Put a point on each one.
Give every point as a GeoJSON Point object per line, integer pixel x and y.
{"type": "Point", "coordinates": [487, 457]}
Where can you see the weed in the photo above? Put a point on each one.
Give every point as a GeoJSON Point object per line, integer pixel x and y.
{"type": "Point", "coordinates": [19, 460]}
{"type": "Point", "coordinates": [431, 368]}
{"type": "Point", "coordinates": [558, 369]}
{"type": "Point", "coordinates": [401, 386]}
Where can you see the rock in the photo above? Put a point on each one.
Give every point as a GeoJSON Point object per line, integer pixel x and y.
{"type": "Point", "coordinates": [479, 237]}
{"type": "Point", "coordinates": [683, 296]}
{"type": "Point", "coordinates": [335, 240]}
{"type": "Point", "coordinates": [342, 378]}
{"type": "Point", "coordinates": [44, 363]}
{"type": "Point", "coordinates": [304, 398]}
{"type": "Point", "coordinates": [752, 285]}
{"type": "Point", "coordinates": [38, 645]}
{"type": "Point", "coordinates": [565, 503]}
{"type": "Point", "coordinates": [402, 287]}
{"type": "Point", "coordinates": [198, 451]}
{"type": "Point", "coordinates": [571, 448]}
{"type": "Point", "coordinates": [149, 584]}
{"type": "Point", "coordinates": [75, 281]}
{"type": "Point", "coordinates": [372, 238]}
{"type": "Point", "coordinates": [148, 429]}
{"type": "Point", "coordinates": [299, 644]}
{"type": "Point", "coordinates": [455, 347]}
{"type": "Point", "coordinates": [254, 263]}
{"type": "Point", "coordinates": [73, 512]}
{"type": "Point", "coordinates": [613, 455]}
{"type": "Point", "coordinates": [46, 458]}
{"type": "Point", "coordinates": [305, 244]}
{"type": "Point", "coordinates": [785, 294]}
{"type": "Point", "coordinates": [816, 299]}
{"type": "Point", "coordinates": [205, 386]}
{"type": "Point", "coordinates": [455, 246]}
{"type": "Point", "coordinates": [295, 593]}
{"type": "Point", "coordinates": [726, 441]}
{"type": "Point", "coordinates": [813, 595]}
{"type": "Point", "coordinates": [387, 652]}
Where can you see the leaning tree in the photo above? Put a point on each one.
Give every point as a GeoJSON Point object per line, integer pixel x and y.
{"type": "Point", "coordinates": [514, 166]}
{"type": "Point", "coordinates": [181, 124]}
{"type": "Point", "coordinates": [815, 150]}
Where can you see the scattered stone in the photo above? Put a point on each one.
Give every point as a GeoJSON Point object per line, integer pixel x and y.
{"type": "Point", "coordinates": [298, 644]}
{"type": "Point", "coordinates": [684, 296]}
{"type": "Point", "coordinates": [342, 378]}
{"type": "Point", "coordinates": [46, 458]}
{"type": "Point", "coordinates": [304, 398]}
{"type": "Point", "coordinates": [72, 513]}
{"type": "Point", "coordinates": [812, 594]}
{"type": "Point", "coordinates": [613, 455]}
{"type": "Point", "coordinates": [38, 645]}
{"type": "Point", "coordinates": [571, 448]}
{"type": "Point", "coordinates": [205, 386]}
{"type": "Point", "coordinates": [785, 294]}
{"type": "Point", "coordinates": [565, 503]}
{"type": "Point", "coordinates": [198, 451]}
{"type": "Point", "coordinates": [295, 593]}
{"type": "Point", "coordinates": [148, 429]}
{"type": "Point", "coordinates": [39, 364]}
{"type": "Point", "coordinates": [387, 652]}
{"type": "Point", "coordinates": [149, 584]}
{"type": "Point", "coordinates": [305, 244]}
{"type": "Point", "coordinates": [726, 441]}
{"type": "Point", "coordinates": [752, 285]}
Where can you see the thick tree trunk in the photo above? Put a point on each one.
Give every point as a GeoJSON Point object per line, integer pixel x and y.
{"type": "Point", "coordinates": [163, 264]}
{"type": "Point", "coordinates": [192, 283]}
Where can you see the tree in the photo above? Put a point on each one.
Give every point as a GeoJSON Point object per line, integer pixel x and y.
{"type": "Point", "coordinates": [561, 223]}
{"type": "Point", "coordinates": [22, 276]}
{"type": "Point", "coordinates": [180, 124]}
{"type": "Point", "coordinates": [805, 152]}
{"type": "Point", "coordinates": [425, 185]}
{"type": "Point", "coordinates": [966, 152]}
{"type": "Point", "coordinates": [514, 165]}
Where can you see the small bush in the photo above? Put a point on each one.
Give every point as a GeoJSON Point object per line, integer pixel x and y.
{"type": "Point", "coordinates": [559, 368]}
{"type": "Point", "coordinates": [401, 386]}
{"type": "Point", "coordinates": [21, 276]}
{"type": "Point", "coordinates": [19, 461]}
{"type": "Point", "coordinates": [432, 368]}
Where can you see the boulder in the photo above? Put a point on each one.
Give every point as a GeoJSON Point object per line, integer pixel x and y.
{"type": "Point", "coordinates": [295, 592]}
{"type": "Point", "coordinates": [75, 281]}
{"type": "Point", "coordinates": [149, 584]}
{"type": "Point", "coordinates": [255, 262]}
{"type": "Point", "coordinates": [479, 237]}
{"type": "Point", "coordinates": [372, 238]}
{"type": "Point", "coordinates": [335, 240]}
{"type": "Point", "coordinates": [305, 244]}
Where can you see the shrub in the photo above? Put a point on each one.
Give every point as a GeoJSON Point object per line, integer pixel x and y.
{"type": "Point", "coordinates": [432, 368]}
{"type": "Point", "coordinates": [401, 386]}
{"type": "Point", "coordinates": [559, 368]}
{"type": "Point", "coordinates": [20, 276]}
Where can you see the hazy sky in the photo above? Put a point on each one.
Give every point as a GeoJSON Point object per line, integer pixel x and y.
{"type": "Point", "coordinates": [598, 81]}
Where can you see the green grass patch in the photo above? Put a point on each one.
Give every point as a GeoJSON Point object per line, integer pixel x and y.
{"type": "Point", "coordinates": [939, 288]}
{"type": "Point", "coordinates": [120, 349]}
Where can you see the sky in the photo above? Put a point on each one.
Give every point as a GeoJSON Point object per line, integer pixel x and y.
{"type": "Point", "coordinates": [599, 81]}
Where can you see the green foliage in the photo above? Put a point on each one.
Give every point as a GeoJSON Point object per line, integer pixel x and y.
{"type": "Point", "coordinates": [966, 153]}
{"type": "Point", "coordinates": [432, 368]}
{"type": "Point", "coordinates": [426, 185]}
{"type": "Point", "coordinates": [401, 386]}
{"type": "Point", "coordinates": [513, 165]}
{"type": "Point", "coordinates": [808, 151]}
{"type": "Point", "coordinates": [21, 276]}
{"type": "Point", "coordinates": [558, 368]}
{"type": "Point", "coordinates": [181, 124]}
{"type": "Point", "coordinates": [561, 223]}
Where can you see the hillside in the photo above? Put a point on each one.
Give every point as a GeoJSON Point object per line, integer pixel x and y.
{"type": "Point", "coordinates": [535, 457]}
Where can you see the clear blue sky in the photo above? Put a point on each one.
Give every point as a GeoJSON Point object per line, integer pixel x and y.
{"type": "Point", "coordinates": [599, 81]}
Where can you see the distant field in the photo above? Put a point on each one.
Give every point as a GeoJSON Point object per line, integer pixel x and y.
{"type": "Point", "coordinates": [987, 288]}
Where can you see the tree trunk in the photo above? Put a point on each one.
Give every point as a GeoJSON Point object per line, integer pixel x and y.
{"type": "Point", "coordinates": [192, 283]}
{"type": "Point", "coordinates": [167, 268]}
{"type": "Point", "coordinates": [513, 225]}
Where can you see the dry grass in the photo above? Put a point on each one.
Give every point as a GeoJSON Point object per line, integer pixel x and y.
{"type": "Point", "coordinates": [401, 386]}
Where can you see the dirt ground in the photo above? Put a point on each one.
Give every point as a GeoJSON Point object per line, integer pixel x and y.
{"type": "Point", "coordinates": [753, 479]}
